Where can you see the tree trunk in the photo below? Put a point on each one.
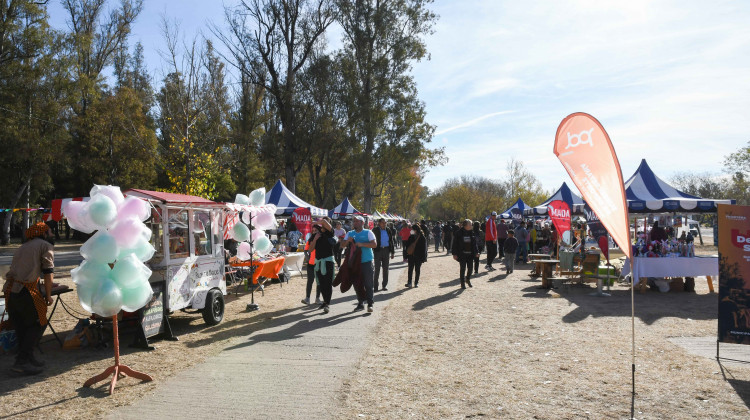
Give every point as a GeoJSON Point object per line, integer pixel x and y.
{"type": "Point", "coordinates": [9, 215]}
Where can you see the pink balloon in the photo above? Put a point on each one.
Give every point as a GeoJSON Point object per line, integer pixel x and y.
{"type": "Point", "coordinates": [243, 251]}
{"type": "Point", "coordinates": [110, 191]}
{"type": "Point", "coordinates": [127, 232]}
{"type": "Point", "coordinates": [257, 233]}
{"type": "Point", "coordinates": [134, 207]}
{"type": "Point", "coordinates": [264, 221]}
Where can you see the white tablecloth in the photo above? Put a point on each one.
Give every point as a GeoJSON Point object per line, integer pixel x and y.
{"type": "Point", "coordinates": [672, 267]}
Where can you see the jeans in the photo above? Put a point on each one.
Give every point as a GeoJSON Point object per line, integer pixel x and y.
{"type": "Point", "coordinates": [415, 267]}
{"type": "Point", "coordinates": [310, 281]}
{"type": "Point", "coordinates": [491, 252]}
{"type": "Point", "coordinates": [382, 259]}
{"type": "Point", "coordinates": [509, 263]}
{"type": "Point", "coordinates": [326, 282]}
{"type": "Point", "coordinates": [437, 242]}
{"type": "Point", "coordinates": [367, 271]}
{"type": "Point", "coordinates": [24, 317]}
{"type": "Point", "coordinates": [337, 254]}
{"type": "Point", "coordinates": [464, 264]}
{"type": "Point", "coordinates": [522, 249]}
{"type": "Point", "coordinates": [476, 265]}
{"type": "Point", "coordinates": [500, 244]}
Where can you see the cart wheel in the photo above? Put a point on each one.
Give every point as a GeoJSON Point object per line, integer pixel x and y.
{"type": "Point", "coordinates": [213, 312]}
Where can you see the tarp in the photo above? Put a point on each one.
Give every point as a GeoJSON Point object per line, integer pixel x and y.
{"type": "Point", "coordinates": [520, 205]}
{"type": "Point", "coordinates": [563, 194]}
{"type": "Point", "coordinates": [286, 202]}
{"type": "Point", "coordinates": [647, 193]}
{"type": "Point", "coordinates": [344, 208]}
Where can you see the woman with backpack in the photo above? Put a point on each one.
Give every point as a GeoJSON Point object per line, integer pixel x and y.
{"type": "Point", "coordinates": [416, 253]}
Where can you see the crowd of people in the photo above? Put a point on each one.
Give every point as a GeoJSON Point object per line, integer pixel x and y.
{"type": "Point", "coordinates": [331, 242]}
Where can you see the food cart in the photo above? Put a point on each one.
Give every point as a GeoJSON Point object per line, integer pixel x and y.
{"type": "Point", "coordinates": [188, 266]}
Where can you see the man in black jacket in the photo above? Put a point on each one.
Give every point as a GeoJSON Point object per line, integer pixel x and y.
{"type": "Point", "coordinates": [384, 248]}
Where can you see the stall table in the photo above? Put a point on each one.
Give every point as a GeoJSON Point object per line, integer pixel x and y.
{"type": "Point", "coordinates": [269, 268]}
{"type": "Point", "coordinates": [547, 266]}
{"type": "Point", "coordinates": [673, 267]}
{"type": "Point", "coordinates": [537, 271]}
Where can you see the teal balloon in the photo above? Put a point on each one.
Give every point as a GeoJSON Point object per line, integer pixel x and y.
{"type": "Point", "coordinates": [86, 287]}
{"type": "Point", "coordinates": [136, 297]}
{"type": "Point", "coordinates": [107, 300]}
{"type": "Point", "coordinates": [102, 210]}
{"type": "Point", "coordinates": [240, 232]}
{"type": "Point", "coordinates": [89, 270]}
{"type": "Point", "coordinates": [101, 248]}
{"type": "Point", "coordinates": [143, 250]}
{"type": "Point", "coordinates": [263, 245]}
{"type": "Point", "coordinates": [128, 272]}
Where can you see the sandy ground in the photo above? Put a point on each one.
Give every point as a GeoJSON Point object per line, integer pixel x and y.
{"type": "Point", "coordinates": [502, 349]}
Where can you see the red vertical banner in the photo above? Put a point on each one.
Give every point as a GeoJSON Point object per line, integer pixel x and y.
{"type": "Point", "coordinates": [302, 220]}
{"type": "Point", "coordinates": [559, 213]}
{"type": "Point", "coordinates": [586, 152]}
{"type": "Point", "coordinates": [734, 273]}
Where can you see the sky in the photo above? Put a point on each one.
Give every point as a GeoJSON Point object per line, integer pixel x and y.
{"type": "Point", "coordinates": [668, 80]}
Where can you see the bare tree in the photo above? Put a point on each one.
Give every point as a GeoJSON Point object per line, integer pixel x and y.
{"type": "Point", "coordinates": [271, 42]}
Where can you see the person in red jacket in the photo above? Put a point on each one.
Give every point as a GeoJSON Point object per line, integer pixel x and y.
{"type": "Point", "coordinates": [490, 238]}
{"type": "Point", "coordinates": [404, 233]}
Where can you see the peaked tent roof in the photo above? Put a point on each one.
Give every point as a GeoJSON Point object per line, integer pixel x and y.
{"type": "Point", "coordinates": [520, 205]}
{"type": "Point", "coordinates": [345, 207]}
{"type": "Point", "coordinates": [563, 193]}
{"type": "Point", "coordinates": [647, 193]}
{"type": "Point", "coordinates": [286, 202]}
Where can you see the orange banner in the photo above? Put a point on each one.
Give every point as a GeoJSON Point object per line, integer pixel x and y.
{"type": "Point", "coordinates": [586, 152]}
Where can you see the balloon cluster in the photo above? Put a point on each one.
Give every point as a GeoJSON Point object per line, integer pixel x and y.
{"type": "Point", "coordinates": [262, 217]}
{"type": "Point", "coordinates": [121, 239]}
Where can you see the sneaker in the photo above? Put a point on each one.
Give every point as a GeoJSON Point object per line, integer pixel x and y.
{"type": "Point", "coordinates": [322, 306]}
{"type": "Point", "coordinates": [407, 285]}
{"type": "Point", "coordinates": [463, 287]}
{"type": "Point", "coordinates": [487, 267]}
{"type": "Point", "coordinates": [416, 285]}
{"type": "Point", "coordinates": [306, 301]}
{"type": "Point", "coordinates": [359, 307]}
{"type": "Point", "coordinates": [468, 283]}
{"type": "Point", "coordinates": [385, 289]}
{"type": "Point", "coordinates": [25, 368]}
{"type": "Point", "coordinates": [369, 308]}
{"type": "Point", "coordinates": [325, 309]}
{"type": "Point", "coordinates": [318, 301]}
{"type": "Point", "coordinates": [36, 362]}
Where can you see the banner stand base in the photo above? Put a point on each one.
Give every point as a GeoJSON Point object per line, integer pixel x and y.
{"type": "Point", "coordinates": [599, 291]}
{"type": "Point", "coordinates": [719, 359]}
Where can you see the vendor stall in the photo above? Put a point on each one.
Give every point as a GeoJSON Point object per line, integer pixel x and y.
{"type": "Point", "coordinates": [508, 214]}
{"type": "Point", "coordinates": [673, 267]}
{"type": "Point", "coordinates": [188, 266]}
{"type": "Point", "coordinates": [345, 208]}
{"type": "Point", "coordinates": [564, 194]}
{"type": "Point", "coordinates": [286, 202]}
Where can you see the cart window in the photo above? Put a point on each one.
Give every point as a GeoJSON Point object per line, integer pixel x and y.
{"type": "Point", "coordinates": [202, 232]}
{"type": "Point", "coordinates": [157, 235]}
{"type": "Point", "coordinates": [179, 245]}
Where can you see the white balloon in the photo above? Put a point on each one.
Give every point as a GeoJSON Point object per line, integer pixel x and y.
{"type": "Point", "coordinates": [242, 199]}
{"type": "Point", "coordinates": [258, 197]}
{"type": "Point", "coordinates": [257, 233]}
{"type": "Point", "coordinates": [263, 246]}
{"type": "Point", "coordinates": [110, 191]}
{"type": "Point", "coordinates": [77, 215]}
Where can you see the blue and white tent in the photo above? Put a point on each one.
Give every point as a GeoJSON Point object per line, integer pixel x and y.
{"type": "Point", "coordinates": [286, 202]}
{"type": "Point", "coordinates": [647, 193]}
{"type": "Point", "coordinates": [564, 194]}
{"type": "Point", "coordinates": [343, 209]}
{"type": "Point", "coordinates": [520, 205]}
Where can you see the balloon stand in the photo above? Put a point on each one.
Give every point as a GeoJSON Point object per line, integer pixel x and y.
{"type": "Point", "coordinates": [117, 369]}
{"type": "Point", "coordinates": [252, 306]}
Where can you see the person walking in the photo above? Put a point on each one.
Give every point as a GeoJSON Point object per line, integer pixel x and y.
{"type": "Point", "coordinates": [364, 239]}
{"type": "Point", "coordinates": [340, 234]}
{"type": "Point", "coordinates": [490, 238]}
{"type": "Point", "coordinates": [522, 236]}
{"type": "Point", "coordinates": [324, 242]}
{"type": "Point", "coordinates": [293, 237]}
{"type": "Point", "coordinates": [448, 236]}
{"type": "Point", "coordinates": [509, 248]}
{"type": "Point", "coordinates": [465, 248]}
{"type": "Point", "coordinates": [478, 233]}
{"type": "Point", "coordinates": [437, 234]}
{"type": "Point", "coordinates": [502, 235]}
{"type": "Point", "coordinates": [27, 307]}
{"type": "Point", "coordinates": [310, 268]}
{"type": "Point", "coordinates": [532, 237]}
{"type": "Point", "coordinates": [416, 250]}
{"type": "Point", "coordinates": [404, 233]}
{"type": "Point", "coordinates": [384, 252]}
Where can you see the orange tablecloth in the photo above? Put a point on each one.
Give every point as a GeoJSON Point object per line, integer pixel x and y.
{"type": "Point", "coordinates": [269, 269]}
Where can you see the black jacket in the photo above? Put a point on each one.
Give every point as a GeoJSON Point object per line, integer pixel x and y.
{"type": "Point", "coordinates": [376, 231]}
{"type": "Point", "coordinates": [420, 250]}
{"type": "Point", "coordinates": [462, 237]}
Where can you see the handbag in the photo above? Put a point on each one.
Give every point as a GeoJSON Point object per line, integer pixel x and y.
{"type": "Point", "coordinates": [411, 248]}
